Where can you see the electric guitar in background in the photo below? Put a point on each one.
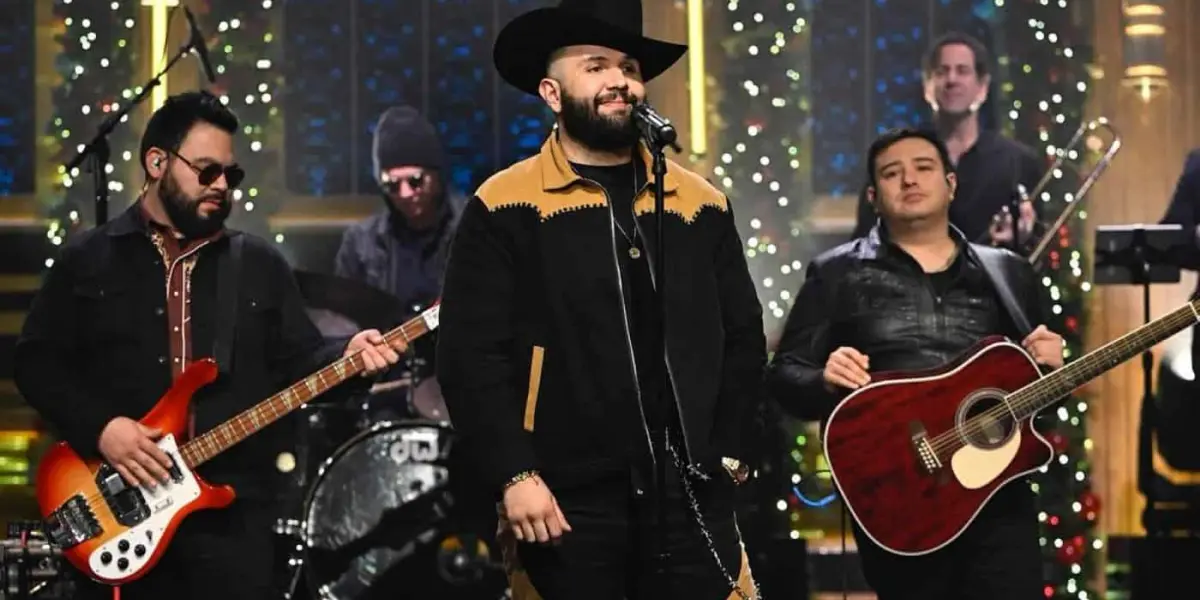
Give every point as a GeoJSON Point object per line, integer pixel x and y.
{"type": "Point", "coordinates": [116, 532]}
{"type": "Point", "coordinates": [917, 455]}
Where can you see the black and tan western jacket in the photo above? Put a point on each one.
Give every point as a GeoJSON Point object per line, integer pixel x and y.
{"type": "Point", "coordinates": [534, 353]}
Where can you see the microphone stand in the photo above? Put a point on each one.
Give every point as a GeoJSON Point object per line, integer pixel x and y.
{"type": "Point", "coordinates": [1142, 255]}
{"type": "Point", "coordinates": [97, 151]}
{"type": "Point", "coordinates": [657, 151]}
{"type": "Point", "coordinates": [657, 145]}
{"type": "Point", "coordinates": [1148, 412]}
{"type": "Point", "coordinates": [658, 135]}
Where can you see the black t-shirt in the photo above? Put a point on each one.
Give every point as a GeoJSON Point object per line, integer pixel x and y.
{"type": "Point", "coordinates": [641, 307]}
{"type": "Point", "coordinates": [944, 279]}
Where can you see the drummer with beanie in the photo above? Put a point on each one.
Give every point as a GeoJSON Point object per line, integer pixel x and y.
{"type": "Point", "coordinates": [402, 248]}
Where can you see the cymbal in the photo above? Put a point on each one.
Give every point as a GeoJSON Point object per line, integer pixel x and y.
{"type": "Point", "coordinates": [363, 304]}
{"type": "Point", "coordinates": [331, 324]}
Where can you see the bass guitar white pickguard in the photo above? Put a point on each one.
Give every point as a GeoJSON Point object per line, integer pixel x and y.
{"type": "Point", "coordinates": [974, 467]}
{"type": "Point", "coordinates": [128, 553]}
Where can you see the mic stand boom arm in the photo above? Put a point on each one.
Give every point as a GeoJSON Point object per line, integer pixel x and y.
{"type": "Point", "coordinates": [98, 150]}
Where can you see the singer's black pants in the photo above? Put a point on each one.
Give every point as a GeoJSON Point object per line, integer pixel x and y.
{"type": "Point", "coordinates": [997, 558]}
{"type": "Point", "coordinates": [608, 555]}
{"type": "Point", "coordinates": [226, 554]}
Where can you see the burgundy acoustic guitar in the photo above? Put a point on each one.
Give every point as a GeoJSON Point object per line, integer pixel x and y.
{"type": "Point", "coordinates": [116, 532]}
{"type": "Point", "coordinates": [916, 456]}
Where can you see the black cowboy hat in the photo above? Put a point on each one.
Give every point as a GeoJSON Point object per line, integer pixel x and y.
{"type": "Point", "coordinates": [523, 48]}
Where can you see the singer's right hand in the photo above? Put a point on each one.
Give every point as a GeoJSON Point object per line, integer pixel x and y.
{"type": "Point", "coordinates": [533, 513]}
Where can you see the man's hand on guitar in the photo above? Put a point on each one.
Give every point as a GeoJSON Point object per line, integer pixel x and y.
{"type": "Point", "coordinates": [377, 353]}
{"type": "Point", "coordinates": [1045, 346]}
{"type": "Point", "coordinates": [847, 368]}
{"type": "Point", "coordinates": [532, 512]}
{"type": "Point", "coordinates": [129, 447]}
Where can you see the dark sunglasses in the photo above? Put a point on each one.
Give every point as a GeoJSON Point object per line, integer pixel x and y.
{"type": "Point", "coordinates": [392, 186]}
{"type": "Point", "coordinates": [209, 174]}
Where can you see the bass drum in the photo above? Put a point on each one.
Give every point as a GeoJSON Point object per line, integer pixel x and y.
{"type": "Point", "coordinates": [378, 521]}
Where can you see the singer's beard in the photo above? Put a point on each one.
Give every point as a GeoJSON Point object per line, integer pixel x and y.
{"type": "Point", "coordinates": [581, 119]}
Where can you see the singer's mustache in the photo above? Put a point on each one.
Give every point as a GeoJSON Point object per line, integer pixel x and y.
{"type": "Point", "coordinates": [217, 198]}
{"type": "Point", "coordinates": [625, 97]}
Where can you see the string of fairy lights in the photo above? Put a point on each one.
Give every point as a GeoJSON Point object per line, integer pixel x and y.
{"type": "Point", "coordinates": [1069, 508]}
{"type": "Point", "coordinates": [246, 48]}
{"type": "Point", "coordinates": [767, 160]}
{"type": "Point", "coordinates": [97, 50]}
{"type": "Point", "coordinates": [766, 169]}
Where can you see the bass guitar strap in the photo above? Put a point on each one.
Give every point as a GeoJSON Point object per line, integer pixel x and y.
{"type": "Point", "coordinates": [229, 264]}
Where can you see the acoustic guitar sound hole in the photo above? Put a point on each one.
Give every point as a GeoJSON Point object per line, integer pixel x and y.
{"type": "Point", "coordinates": [984, 421]}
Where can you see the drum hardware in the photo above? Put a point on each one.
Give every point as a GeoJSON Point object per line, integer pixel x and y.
{"type": "Point", "coordinates": [368, 510]}
{"type": "Point", "coordinates": [367, 489]}
{"type": "Point", "coordinates": [317, 430]}
{"type": "Point", "coordinates": [421, 397]}
{"type": "Point", "coordinates": [360, 304]}
{"type": "Point", "coordinates": [30, 566]}
{"type": "Point", "coordinates": [379, 520]}
{"type": "Point", "coordinates": [390, 386]}
{"type": "Point", "coordinates": [465, 559]}
{"type": "Point", "coordinates": [340, 307]}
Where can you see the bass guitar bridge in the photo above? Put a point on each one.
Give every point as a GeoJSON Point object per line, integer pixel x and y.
{"type": "Point", "coordinates": [72, 523]}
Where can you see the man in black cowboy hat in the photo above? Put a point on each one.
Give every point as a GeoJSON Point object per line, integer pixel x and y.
{"type": "Point", "coordinates": [549, 322]}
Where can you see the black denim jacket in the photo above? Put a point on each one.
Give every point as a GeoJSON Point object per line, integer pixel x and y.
{"type": "Point", "coordinates": [95, 344]}
{"type": "Point", "coordinates": [870, 295]}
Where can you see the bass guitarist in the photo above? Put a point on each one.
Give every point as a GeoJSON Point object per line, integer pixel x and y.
{"type": "Point", "coordinates": [914, 294]}
{"type": "Point", "coordinates": [130, 303]}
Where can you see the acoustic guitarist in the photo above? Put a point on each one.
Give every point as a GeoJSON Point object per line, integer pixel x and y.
{"type": "Point", "coordinates": [911, 294]}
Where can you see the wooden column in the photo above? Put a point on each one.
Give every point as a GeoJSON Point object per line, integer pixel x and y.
{"type": "Point", "coordinates": [1137, 188]}
{"type": "Point", "coordinates": [667, 20]}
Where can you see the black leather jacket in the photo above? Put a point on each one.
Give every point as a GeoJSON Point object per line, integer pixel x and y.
{"type": "Point", "coordinates": [870, 295]}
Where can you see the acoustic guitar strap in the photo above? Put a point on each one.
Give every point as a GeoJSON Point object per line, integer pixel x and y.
{"type": "Point", "coordinates": [992, 262]}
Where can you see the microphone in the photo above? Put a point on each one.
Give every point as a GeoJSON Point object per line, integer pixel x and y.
{"type": "Point", "coordinates": [197, 44]}
{"type": "Point", "coordinates": [655, 128]}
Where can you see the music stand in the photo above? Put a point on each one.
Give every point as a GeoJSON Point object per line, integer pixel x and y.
{"type": "Point", "coordinates": [1142, 255]}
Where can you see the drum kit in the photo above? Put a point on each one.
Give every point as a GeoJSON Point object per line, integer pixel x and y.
{"type": "Point", "coordinates": [370, 508]}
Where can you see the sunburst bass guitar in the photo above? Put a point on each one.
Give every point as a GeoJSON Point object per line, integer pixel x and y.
{"type": "Point", "coordinates": [917, 455]}
{"type": "Point", "coordinates": [116, 532]}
